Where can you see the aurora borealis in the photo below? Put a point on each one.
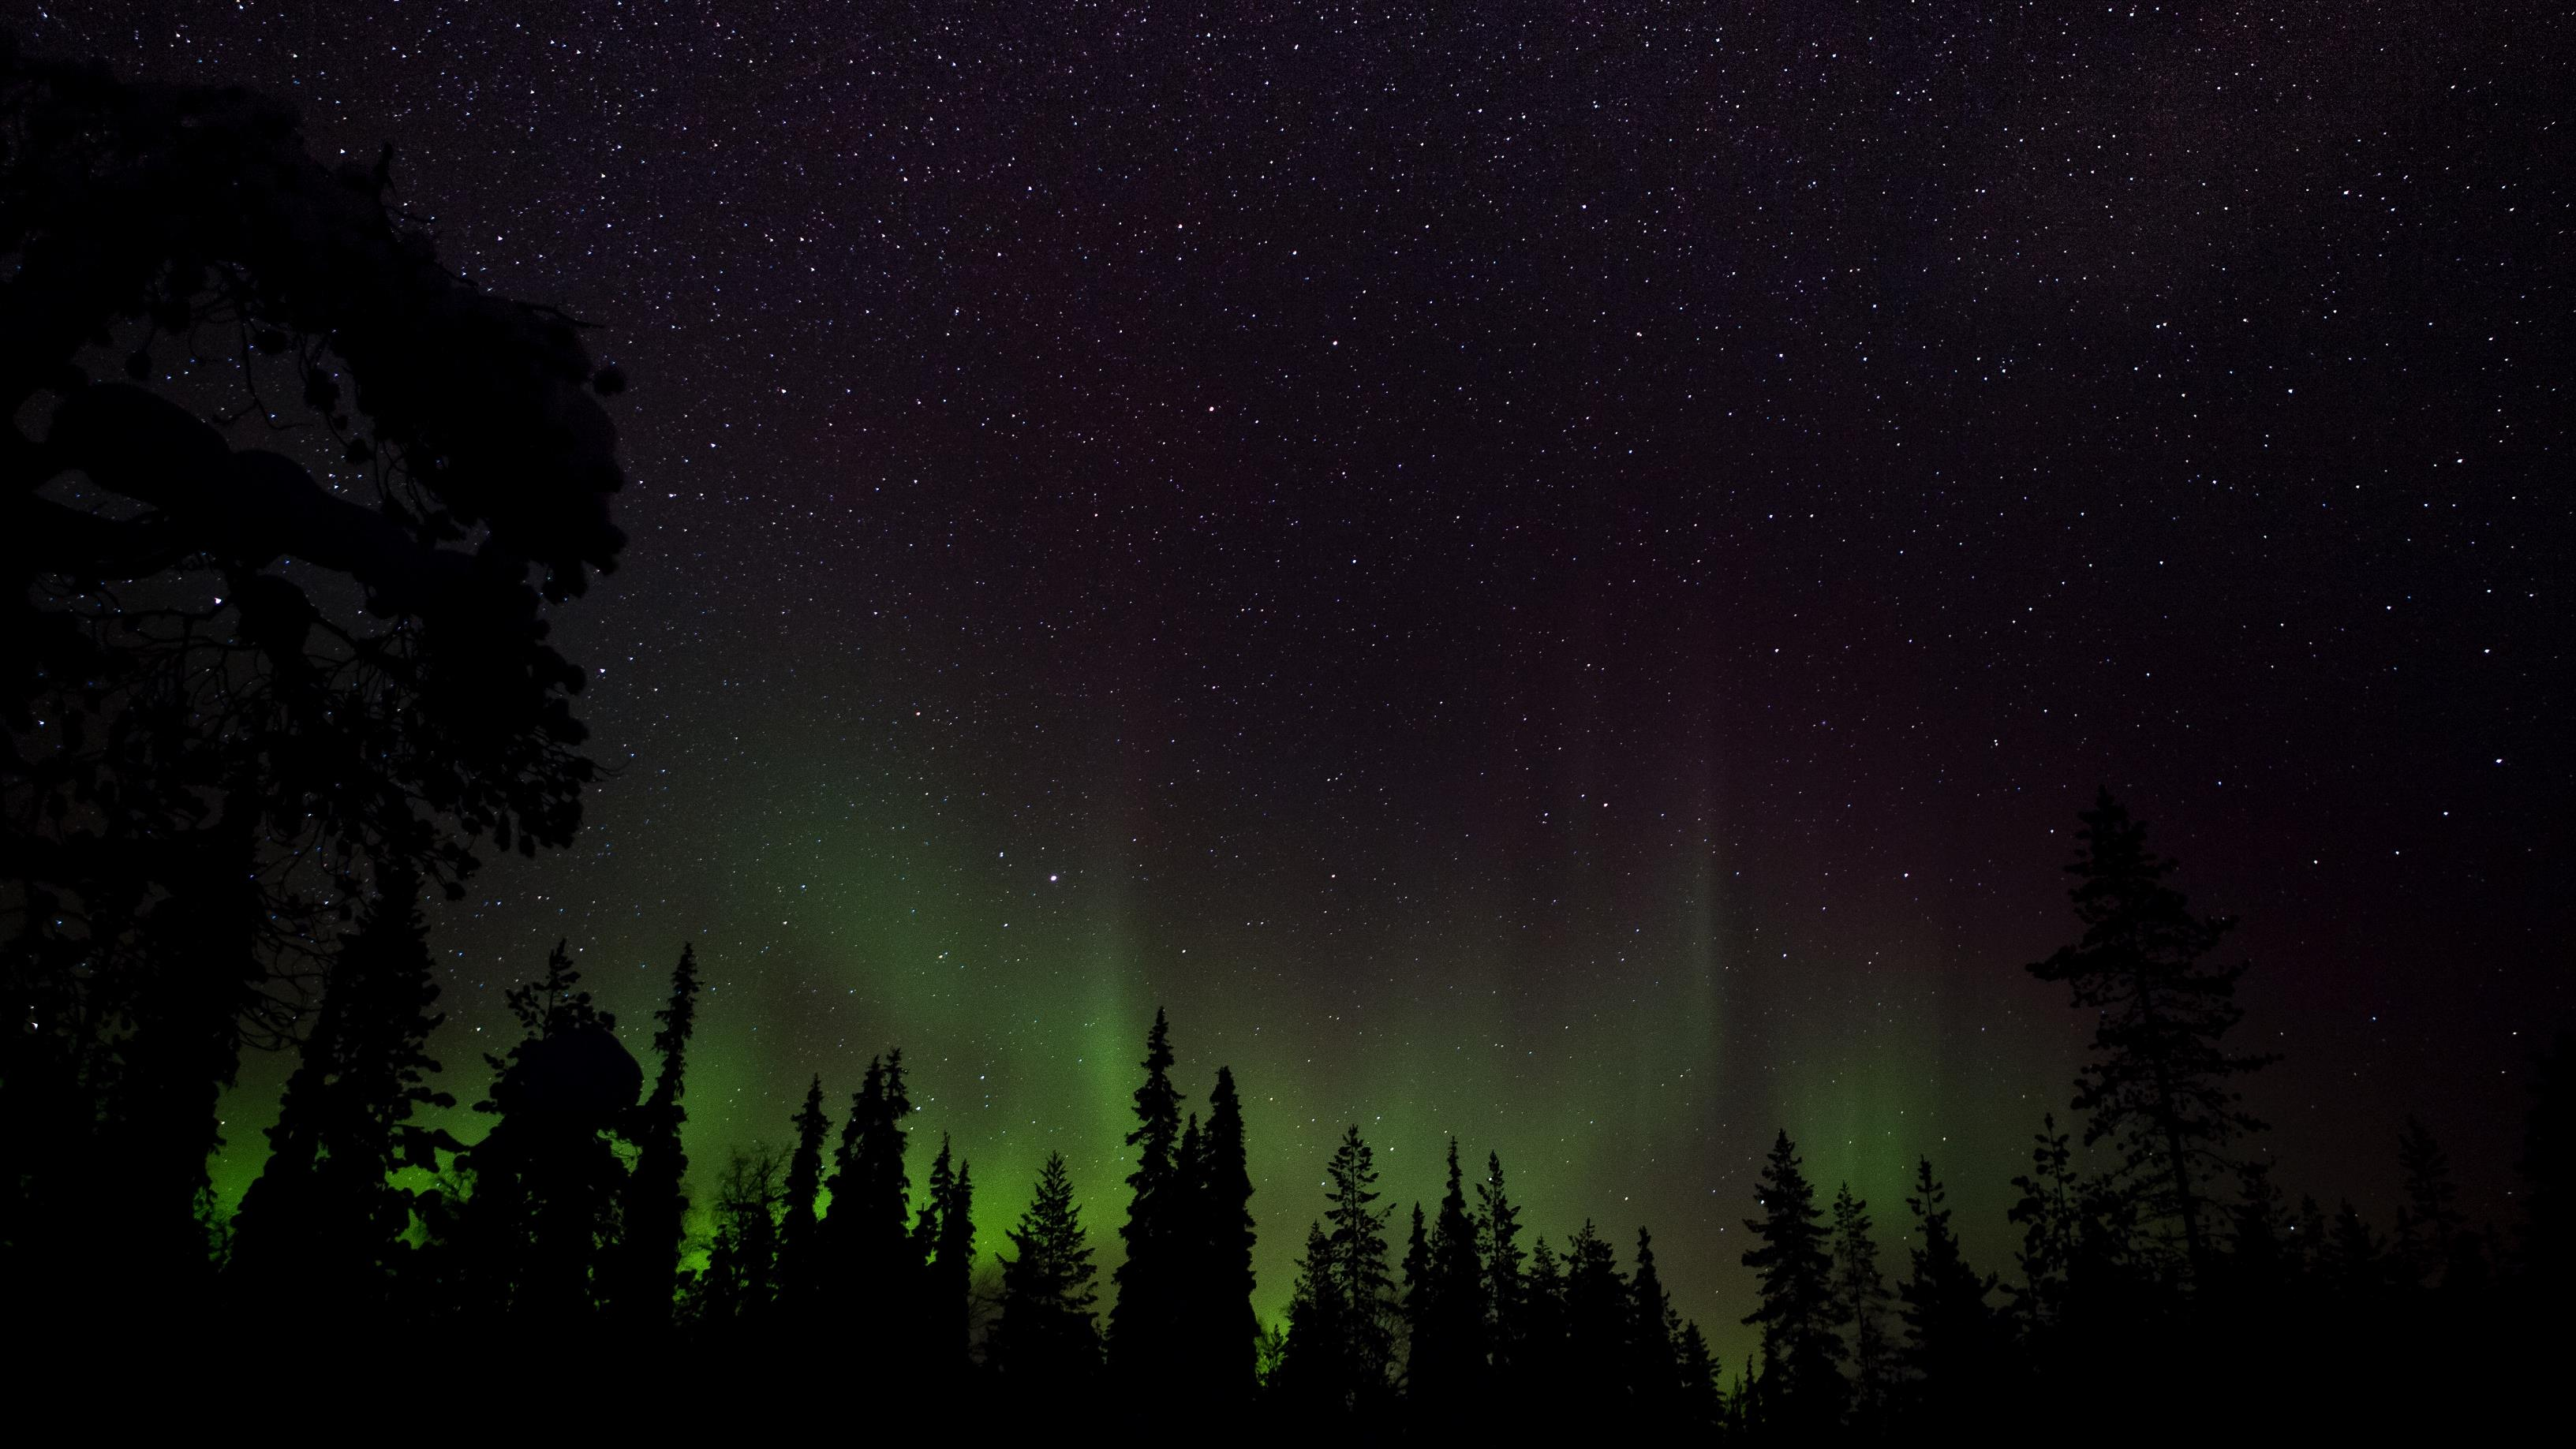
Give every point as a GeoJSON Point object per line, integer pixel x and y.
{"type": "Point", "coordinates": [1553, 574]}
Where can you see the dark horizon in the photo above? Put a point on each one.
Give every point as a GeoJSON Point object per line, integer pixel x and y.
{"type": "Point", "coordinates": [1557, 577]}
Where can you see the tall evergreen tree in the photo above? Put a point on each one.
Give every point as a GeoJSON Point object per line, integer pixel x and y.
{"type": "Point", "coordinates": [1342, 1316]}
{"type": "Point", "coordinates": [1702, 1404]}
{"type": "Point", "coordinates": [1802, 1388]}
{"type": "Point", "coordinates": [1860, 1306]}
{"type": "Point", "coordinates": [1949, 1331]}
{"type": "Point", "coordinates": [1046, 1345]}
{"type": "Point", "coordinates": [655, 1217]}
{"type": "Point", "coordinates": [1597, 1349]}
{"type": "Point", "coordinates": [1447, 1306]}
{"type": "Point", "coordinates": [1217, 1346]}
{"type": "Point", "coordinates": [1498, 1234]}
{"type": "Point", "coordinates": [1145, 1318]}
{"type": "Point", "coordinates": [926, 1224]}
{"type": "Point", "coordinates": [948, 1254]}
{"type": "Point", "coordinates": [1654, 1361]}
{"type": "Point", "coordinates": [1314, 1374]}
{"type": "Point", "coordinates": [323, 1226]}
{"type": "Point", "coordinates": [868, 1249]}
{"type": "Point", "coordinates": [2160, 1079]}
{"type": "Point", "coordinates": [1539, 1348]}
{"type": "Point", "coordinates": [801, 1273]}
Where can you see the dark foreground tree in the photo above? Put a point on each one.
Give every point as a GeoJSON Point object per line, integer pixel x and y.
{"type": "Point", "coordinates": [869, 1253]}
{"type": "Point", "coordinates": [322, 1232]}
{"type": "Point", "coordinates": [532, 1235]}
{"type": "Point", "coordinates": [1214, 1366]}
{"type": "Point", "coordinates": [1950, 1340]}
{"type": "Point", "coordinates": [943, 1239]}
{"type": "Point", "coordinates": [1702, 1403]}
{"type": "Point", "coordinates": [1045, 1348]}
{"type": "Point", "coordinates": [1802, 1387]}
{"type": "Point", "coordinates": [247, 664]}
{"type": "Point", "coordinates": [655, 1217]}
{"type": "Point", "coordinates": [1597, 1321]}
{"type": "Point", "coordinates": [801, 1273]}
{"type": "Point", "coordinates": [1445, 1367]}
{"type": "Point", "coordinates": [1343, 1312]}
{"type": "Point", "coordinates": [2050, 1213]}
{"type": "Point", "coordinates": [1654, 1355]}
{"type": "Point", "coordinates": [1498, 1247]}
{"type": "Point", "coordinates": [2160, 1082]}
{"type": "Point", "coordinates": [740, 1284]}
{"type": "Point", "coordinates": [1860, 1308]}
{"type": "Point", "coordinates": [1145, 1319]}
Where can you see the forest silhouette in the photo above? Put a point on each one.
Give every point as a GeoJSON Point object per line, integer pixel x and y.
{"type": "Point", "coordinates": [262, 701]}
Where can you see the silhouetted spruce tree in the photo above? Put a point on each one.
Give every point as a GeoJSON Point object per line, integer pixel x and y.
{"type": "Point", "coordinates": [1539, 1349]}
{"type": "Point", "coordinates": [1447, 1305]}
{"type": "Point", "coordinates": [1189, 1171]}
{"type": "Point", "coordinates": [1343, 1313]}
{"type": "Point", "coordinates": [741, 1278]}
{"type": "Point", "coordinates": [1744, 1418]}
{"type": "Point", "coordinates": [546, 1179]}
{"type": "Point", "coordinates": [1183, 1215]}
{"type": "Point", "coordinates": [2159, 1080]}
{"type": "Point", "coordinates": [1703, 1407]}
{"type": "Point", "coordinates": [1314, 1372]}
{"type": "Point", "coordinates": [957, 1243]}
{"type": "Point", "coordinates": [1860, 1308]}
{"type": "Point", "coordinates": [802, 1274]}
{"type": "Point", "coordinates": [1498, 1247]}
{"type": "Point", "coordinates": [655, 1217]}
{"type": "Point", "coordinates": [1045, 1347]}
{"type": "Point", "coordinates": [1145, 1318]}
{"type": "Point", "coordinates": [1597, 1349]}
{"type": "Point", "coordinates": [868, 1252]}
{"type": "Point", "coordinates": [1216, 1348]}
{"type": "Point", "coordinates": [1950, 1339]}
{"type": "Point", "coordinates": [949, 1263]}
{"type": "Point", "coordinates": [926, 1223]}
{"type": "Point", "coordinates": [1801, 1388]}
{"type": "Point", "coordinates": [322, 1229]}
{"type": "Point", "coordinates": [2429, 1225]}
{"type": "Point", "coordinates": [1654, 1363]}
{"type": "Point", "coordinates": [871, 1190]}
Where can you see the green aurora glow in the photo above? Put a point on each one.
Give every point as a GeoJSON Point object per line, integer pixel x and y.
{"type": "Point", "coordinates": [1019, 974]}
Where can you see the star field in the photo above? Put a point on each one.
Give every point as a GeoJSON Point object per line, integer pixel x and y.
{"type": "Point", "coordinates": [1554, 573]}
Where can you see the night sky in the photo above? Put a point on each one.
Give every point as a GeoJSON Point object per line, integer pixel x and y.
{"type": "Point", "coordinates": [1556, 573]}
